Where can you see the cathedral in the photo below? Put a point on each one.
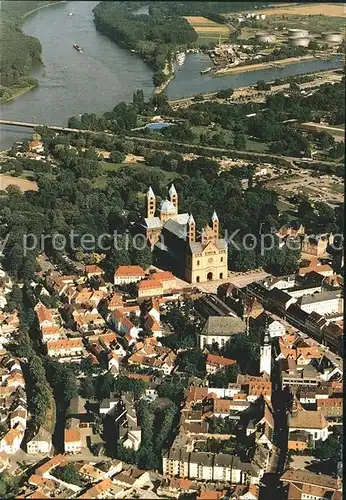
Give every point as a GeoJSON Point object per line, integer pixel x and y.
{"type": "Point", "coordinates": [173, 238]}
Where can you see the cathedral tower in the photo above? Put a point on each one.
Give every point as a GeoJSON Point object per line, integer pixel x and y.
{"type": "Point", "coordinates": [266, 354]}
{"type": "Point", "coordinates": [215, 225]}
{"type": "Point", "coordinates": [173, 196]}
{"type": "Point", "coordinates": [191, 228]}
{"type": "Point", "coordinates": [151, 203]}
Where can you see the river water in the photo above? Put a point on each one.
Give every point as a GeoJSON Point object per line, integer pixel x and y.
{"type": "Point", "coordinates": [95, 81]}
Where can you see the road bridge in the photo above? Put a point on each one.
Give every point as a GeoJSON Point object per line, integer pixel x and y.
{"type": "Point", "coordinates": [181, 146]}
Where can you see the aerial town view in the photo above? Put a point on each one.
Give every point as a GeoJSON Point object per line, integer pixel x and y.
{"type": "Point", "coordinates": [171, 249]}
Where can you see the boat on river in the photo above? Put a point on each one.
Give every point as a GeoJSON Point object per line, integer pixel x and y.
{"type": "Point", "coordinates": [181, 58]}
{"type": "Point", "coordinates": [206, 70]}
{"type": "Point", "coordinates": [78, 48]}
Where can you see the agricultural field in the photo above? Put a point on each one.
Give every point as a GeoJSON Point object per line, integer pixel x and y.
{"type": "Point", "coordinates": [315, 18]}
{"type": "Point", "coordinates": [208, 30]}
{"type": "Point", "coordinates": [320, 9]}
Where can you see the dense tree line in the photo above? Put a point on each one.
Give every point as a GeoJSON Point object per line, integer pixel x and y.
{"type": "Point", "coordinates": [153, 36]}
{"type": "Point", "coordinates": [18, 51]}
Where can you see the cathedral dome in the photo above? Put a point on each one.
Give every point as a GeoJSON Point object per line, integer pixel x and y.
{"type": "Point", "coordinates": [167, 207]}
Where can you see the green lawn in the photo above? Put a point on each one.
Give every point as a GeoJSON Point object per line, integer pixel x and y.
{"type": "Point", "coordinates": [253, 145]}
{"type": "Point", "coordinates": [284, 206]}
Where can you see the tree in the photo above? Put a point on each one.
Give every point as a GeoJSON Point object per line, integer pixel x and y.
{"type": "Point", "coordinates": [87, 388]}
{"type": "Point", "coordinates": [104, 385]}
{"type": "Point", "coordinates": [117, 156]}
{"type": "Point", "coordinates": [225, 93]}
{"type": "Point", "coordinates": [142, 257]}
{"type": "Point", "coordinates": [330, 449]}
{"type": "Point", "coordinates": [262, 85]}
{"type": "Point", "coordinates": [239, 142]}
{"type": "Point", "coordinates": [159, 78]}
{"type": "Point", "coordinates": [192, 362]}
{"type": "Point", "coordinates": [171, 388]}
{"type": "Point", "coordinates": [68, 474]}
{"type": "Point", "coordinates": [224, 377]}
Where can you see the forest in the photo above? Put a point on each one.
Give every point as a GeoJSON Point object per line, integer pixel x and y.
{"type": "Point", "coordinates": [18, 51]}
{"type": "Point", "coordinates": [153, 37]}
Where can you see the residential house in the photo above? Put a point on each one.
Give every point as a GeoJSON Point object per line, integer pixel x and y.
{"type": "Point", "coordinates": [318, 267]}
{"type": "Point", "coordinates": [305, 481]}
{"type": "Point", "coordinates": [104, 489]}
{"type": "Point", "coordinates": [93, 270]}
{"type": "Point", "coordinates": [255, 387]}
{"type": "Point", "coordinates": [11, 441]}
{"type": "Point", "coordinates": [128, 274]}
{"type": "Point", "coordinates": [215, 363]}
{"type": "Point", "coordinates": [149, 288]}
{"type": "Point", "coordinates": [129, 431]}
{"type": "Point", "coordinates": [52, 333]}
{"type": "Point", "coordinates": [299, 440]}
{"type": "Point", "coordinates": [154, 326]}
{"type": "Point", "coordinates": [275, 328]}
{"type": "Point", "coordinates": [88, 320]}
{"type": "Point", "coordinates": [166, 278]}
{"type": "Point", "coordinates": [311, 421]}
{"type": "Point", "coordinates": [332, 335]}
{"type": "Point", "coordinates": [245, 492]}
{"type": "Point", "coordinates": [323, 303]}
{"type": "Point", "coordinates": [66, 348]}
{"type": "Point", "coordinates": [18, 417]}
{"type": "Point", "coordinates": [40, 443]}
{"type": "Point", "coordinates": [44, 315]}
{"type": "Point", "coordinates": [72, 441]}
{"type": "Point", "coordinates": [123, 324]}
{"type": "Point", "coordinates": [114, 301]}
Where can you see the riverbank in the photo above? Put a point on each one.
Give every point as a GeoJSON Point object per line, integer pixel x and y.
{"type": "Point", "coordinates": [170, 73]}
{"type": "Point", "coordinates": [11, 93]}
{"type": "Point", "coordinates": [17, 92]}
{"type": "Point", "coordinates": [260, 66]}
{"type": "Point", "coordinates": [32, 11]}
{"type": "Point", "coordinates": [248, 92]}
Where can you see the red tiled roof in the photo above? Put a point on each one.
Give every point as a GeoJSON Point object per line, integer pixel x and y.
{"type": "Point", "coordinates": [129, 271]}
{"type": "Point", "coordinates": [212, 359]}
{"type": "Point", "coordinates": [163, 276]}
{"type": "Point", "coordinates": [72, 435]}
{"type": "Point", "coordinates": [149, 285]}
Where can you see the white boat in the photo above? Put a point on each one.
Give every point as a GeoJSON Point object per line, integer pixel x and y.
{"type": "Point", "coordinates": [181, 58]}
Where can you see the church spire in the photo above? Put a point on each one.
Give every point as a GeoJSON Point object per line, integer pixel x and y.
{"type": "Point", "coordinates": [215, 225]}
{"type": "Point", "coordinates": [151, 203]}
{"type": "Point", "coordinates": [191, 229]}
{"type": "Point", "coordinates": [173, 196]}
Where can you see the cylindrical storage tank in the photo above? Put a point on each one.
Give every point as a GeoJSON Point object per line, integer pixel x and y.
{"type": "Point", "coordinates": [332, 37]}
{"type": "Point", "coordinates": [299, 42]}
{"type": "Point", "coordinates": [264, 37]}
{"type": "Point", "coordinates": [262, 16]}
{"type": "Point", "coordinates": [297, 33]}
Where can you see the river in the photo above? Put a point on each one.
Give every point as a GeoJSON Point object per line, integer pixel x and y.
{"type": "Point", "coordinates": [71, 83]}
{"type": "Point", "coordinates": [95, 81]}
